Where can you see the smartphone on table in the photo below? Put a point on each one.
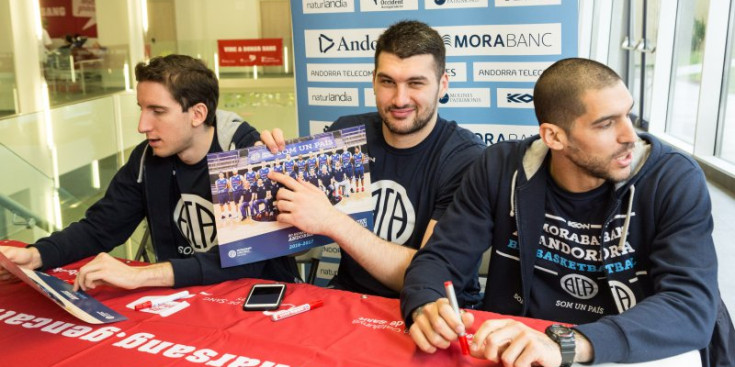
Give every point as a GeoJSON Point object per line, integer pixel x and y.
{"type": "Point", "coordinates": [264, 297]}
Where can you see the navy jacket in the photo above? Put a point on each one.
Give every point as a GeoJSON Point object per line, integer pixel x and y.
{"type": "Point", "coordinates": [667, 294]}
{"type": "Point", "coordinates": [142, 189]}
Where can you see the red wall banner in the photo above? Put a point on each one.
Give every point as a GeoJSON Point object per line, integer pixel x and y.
{"type": "Point", "coordinates": [70, 17]}
{"type": "Point", "coordinates": [251, 52]}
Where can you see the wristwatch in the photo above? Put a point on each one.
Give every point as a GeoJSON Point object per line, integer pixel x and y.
{"type": "Point", "coordinates": [563, 336]}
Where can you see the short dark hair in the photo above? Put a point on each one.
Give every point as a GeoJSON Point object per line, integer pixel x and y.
{"type": "Point", "coordinates": [187, 79]}
{"type": "Point", "coordinates": [558, 91]}
{"type": "Point", "coordinates": [410, 38]}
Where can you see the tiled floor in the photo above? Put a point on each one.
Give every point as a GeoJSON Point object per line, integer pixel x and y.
{"type": "Point", "coordinates": [723, 212]}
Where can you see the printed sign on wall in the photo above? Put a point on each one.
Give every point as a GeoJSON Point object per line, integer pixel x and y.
{"type": "Point", "coordinates": [251, 52]}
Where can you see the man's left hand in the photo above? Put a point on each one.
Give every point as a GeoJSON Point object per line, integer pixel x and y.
{"type": "Point", "coordinates": [107, 270]}
{"type": "Point", "coordinates": [511, 343]}
{"type": "Point", "coordinates": [273, 140]}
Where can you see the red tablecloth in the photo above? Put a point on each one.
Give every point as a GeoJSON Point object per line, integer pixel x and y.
{"type": "Point", "coordinates": [349, 330]}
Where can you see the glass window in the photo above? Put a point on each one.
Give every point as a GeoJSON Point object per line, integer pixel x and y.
{"type": "Point", "coordinates": [691, 24]}
{"type": "Point", "coordinates": [82, 60]}
{"type": "Point", "coordinates": [727, 132]}
{"type": "Point", "coordinates": [245, 23]}
{"type": "Point", "coordinates": [646, 47]}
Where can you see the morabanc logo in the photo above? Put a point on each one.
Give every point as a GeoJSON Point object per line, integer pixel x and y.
{"type": "Point", "coordinates": [447, 40]}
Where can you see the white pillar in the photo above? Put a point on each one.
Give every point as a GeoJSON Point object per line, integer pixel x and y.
{"type": "Point", "coordinates": [135, 32]}
{"type": "Point", "coordinates": [26, 22]}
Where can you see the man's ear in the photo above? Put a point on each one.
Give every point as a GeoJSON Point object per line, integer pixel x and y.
{"type": "Point", "coordinates": [198, 114]}
{"type": "Point", "coordinates": [443, 84]}
{"type": "Point", "coordinates": [553, 136]}
{"type": "Point", "coordinates": [375, 81]}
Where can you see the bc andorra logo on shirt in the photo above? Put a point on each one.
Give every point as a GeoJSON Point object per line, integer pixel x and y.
{"type": "Point", "coordinates": [394, 215]}
{"type": "Point", "coordinates": [194, 217]}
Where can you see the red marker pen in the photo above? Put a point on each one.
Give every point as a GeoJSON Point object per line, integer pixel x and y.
{"type": "Point", "coordinates": [280, 315]}
{"type": "Point", "coordinates": [453, 302]}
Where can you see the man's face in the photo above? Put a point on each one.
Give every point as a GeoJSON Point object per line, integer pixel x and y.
{"type": "Point", "coordinates": [600, 142]}
{"type": "Point", "coordinates": [169, 130]}
{"type": "Point", "coordinates": [407, 92]}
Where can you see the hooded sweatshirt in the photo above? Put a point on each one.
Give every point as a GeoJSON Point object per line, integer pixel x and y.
{"type": "Point", "coordinates": [658, 223]}
{"type": "Point", "coordinates": [145, 187]}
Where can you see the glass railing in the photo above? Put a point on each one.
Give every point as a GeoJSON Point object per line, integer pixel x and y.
{"type": "Point", "coordinates": [57, 163]}
{"type": "Point", "coordinates": [27, 195]}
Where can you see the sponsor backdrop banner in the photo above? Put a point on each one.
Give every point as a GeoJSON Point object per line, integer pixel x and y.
{"type": "Point", "coordinates": [496, 49]}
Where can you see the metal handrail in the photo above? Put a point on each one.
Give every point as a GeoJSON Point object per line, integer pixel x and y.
{"type": "Point", "coordinates": [28, 219]}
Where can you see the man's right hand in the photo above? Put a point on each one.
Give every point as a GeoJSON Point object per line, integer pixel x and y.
{"type": "Point", "coordinates": [25, 257]}
{"type": "Point", "coordinates": [436, 325]}
{"type": "Point", "coordinates": [299, 202]}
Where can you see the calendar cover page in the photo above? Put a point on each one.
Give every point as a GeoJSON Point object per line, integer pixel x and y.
{"type": "Point", "coordinates": [78, 303]}
{"type": "Point", "coordinates": [243, 195]}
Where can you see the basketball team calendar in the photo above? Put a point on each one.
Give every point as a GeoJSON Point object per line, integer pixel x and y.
{"type": "Point", "coordinates": [243, 196]}
{"type": "Point", "coordinates": [78, 303]}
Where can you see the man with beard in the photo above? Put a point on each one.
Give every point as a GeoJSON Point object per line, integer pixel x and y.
{"type": "Point", "coordinates": [590, 224]}
{"type": "Point", "coordinates": [417, 163]}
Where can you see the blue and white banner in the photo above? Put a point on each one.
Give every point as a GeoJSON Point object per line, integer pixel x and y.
{"type": "Point", "coordinates": [496, 49]}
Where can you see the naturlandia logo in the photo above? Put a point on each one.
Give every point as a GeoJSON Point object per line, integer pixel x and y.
{"type": "Point", "coordinates": [328, 6]}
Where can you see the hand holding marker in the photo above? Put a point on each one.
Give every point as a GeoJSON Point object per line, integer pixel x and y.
{"type": "Point", "coordinates": [449, 288]}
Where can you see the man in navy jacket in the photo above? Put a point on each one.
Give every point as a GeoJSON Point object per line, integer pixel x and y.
{"type": "Point", "coordinates": [589, 223]}
{"type": "Point", "coordinates": [417, 159]}
{"type": "Point", "coordinates": [165, 181]}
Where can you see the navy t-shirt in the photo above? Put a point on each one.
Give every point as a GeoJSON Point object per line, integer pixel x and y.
{"type": "Point", "coordinates": [409, 188]}
{"type": "Point", "coordinates": [193, 213]}
{"type": "Point", "coordinates": [569, 277]}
